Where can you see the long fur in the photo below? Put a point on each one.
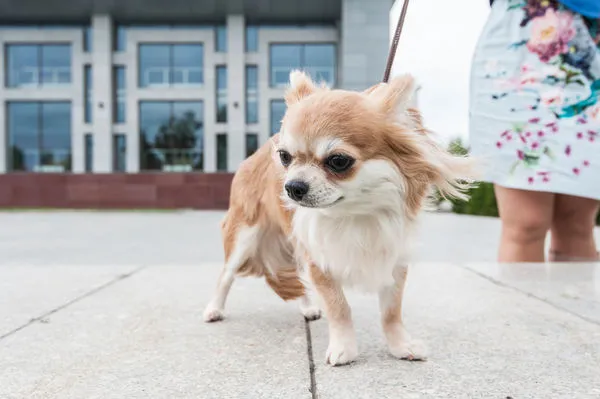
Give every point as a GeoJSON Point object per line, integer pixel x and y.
{"type": "Point", "coordinates": [351, 229]}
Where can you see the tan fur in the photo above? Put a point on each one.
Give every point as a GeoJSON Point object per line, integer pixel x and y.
{"type": "Point", "coordinates": [374, 125]}
{"type": "Point", "coordinates": [255, 201]}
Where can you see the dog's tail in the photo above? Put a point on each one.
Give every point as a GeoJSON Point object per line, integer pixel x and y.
{"type": "Point", "coordinates": [286, 283]}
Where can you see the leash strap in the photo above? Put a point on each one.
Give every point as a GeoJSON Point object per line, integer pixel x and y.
{"type": "Point", "coordinates": [390, 59]}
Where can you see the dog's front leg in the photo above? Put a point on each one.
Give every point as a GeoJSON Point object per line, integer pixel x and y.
{"type": "Point", "coordinates": [398, 339]}
{"type": "Point", "coordinates": [342, 338]}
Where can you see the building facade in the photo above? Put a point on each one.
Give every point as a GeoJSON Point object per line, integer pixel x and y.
{"type": "Point", "coordinates": [168, 87]}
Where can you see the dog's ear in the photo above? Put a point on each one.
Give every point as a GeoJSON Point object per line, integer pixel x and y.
{"type": "Point", "coordinates": [394, 98]}
{"type": "Point", "coordinates": [301, 86]}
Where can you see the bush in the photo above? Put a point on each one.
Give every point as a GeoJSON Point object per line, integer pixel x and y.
{"type": "Point", "coordinates": [482, 198]}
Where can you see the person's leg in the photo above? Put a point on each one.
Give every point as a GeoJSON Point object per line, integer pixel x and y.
{"type": "Point", "coordinates": [573, 229]}
{"type": "Point", "coordinates": [526, 218]}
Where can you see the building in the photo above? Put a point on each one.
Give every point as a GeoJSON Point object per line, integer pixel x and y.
{"type": "Point", "coordinates": [95, 90]}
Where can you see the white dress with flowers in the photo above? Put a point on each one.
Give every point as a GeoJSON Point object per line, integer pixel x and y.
{"type": "Point", "coordinates": [535, 98]}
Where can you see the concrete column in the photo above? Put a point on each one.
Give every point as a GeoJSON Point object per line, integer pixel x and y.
{"type": "Point", "coordinates": [364, 42]}
{"type": "Point", "coordinates": [103, 92]}
{"type": "Point", "coordinates": [236, 77]}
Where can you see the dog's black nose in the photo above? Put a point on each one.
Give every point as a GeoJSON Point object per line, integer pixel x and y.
{"type": "Point", "coordinates": [296, 189]}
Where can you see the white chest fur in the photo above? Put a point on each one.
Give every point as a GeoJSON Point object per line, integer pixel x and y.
{"type": "Point", "coordinates": [360, 251]}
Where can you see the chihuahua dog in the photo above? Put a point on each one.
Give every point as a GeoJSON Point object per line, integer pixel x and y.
{"type": "Point", "coordinates": [336, 194]}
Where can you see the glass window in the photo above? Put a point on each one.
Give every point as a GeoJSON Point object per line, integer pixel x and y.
{"type": "Point", "coordinates": [56, 64]}
{"type": "Point", "coordinates": [221, 93]}
{"type": "Point", "coordinates": [171, 135]}
{"type": "Point", "coordinates": [222, 152]}
{"type": "Point", "coordinates": [22, 63]}
{"type": "Point", "coordinates": [284, 58]}
{"type": "Point", "coordinates": [187, 61]}
{"type": "Point", "coordinates": [277, 112]}
{"type": "Point", "coordinates": [39, 135]}
{"type": "Point", "coordinates": [251, 39]}
{"type": "Point", "coordinates": [316, 59]}
{"type": "Point", "coordinates": [88, 39]}
{"type": "Point", "coordinates": [319, 62]}
{"type": "Point", "coordinates": [89, 152]}
{"type": "Point", "coordinates": [88, 93]}
{"type": "Point", "coordinates": [56, 136]}
{"type": "Point", "coordinates": [221, 39]}
{"type": "Point", "coordinates": [251, 94]}
{"type": "Point", "coordinates": [170, 64]}
{"type": "Point", "coordinates": [120, 39]}
{"type": "Point", "coordinates": [119, 90]}
{"type": "Point", "coordinates": [251, 143]}
{"type": "Point", "coordinates": [155, 65]}
{"type": "Point", "coordinates": [119, 153]}
{"type": "Point", "coordinates": [34, 65]}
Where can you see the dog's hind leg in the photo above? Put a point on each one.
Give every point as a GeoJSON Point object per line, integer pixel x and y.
{"type": "Point", "coordinates": [238, 254]}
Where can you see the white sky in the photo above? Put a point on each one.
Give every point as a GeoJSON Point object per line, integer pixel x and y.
{"type": "Point", "coordinates": [436, 46]}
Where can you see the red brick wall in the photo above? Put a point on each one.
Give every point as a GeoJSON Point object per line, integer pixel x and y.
{"type": "Point", "coordinates": [105, 191]}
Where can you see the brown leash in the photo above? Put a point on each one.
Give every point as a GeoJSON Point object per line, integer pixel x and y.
{"type": "Point", "coordinates": [390, 59]}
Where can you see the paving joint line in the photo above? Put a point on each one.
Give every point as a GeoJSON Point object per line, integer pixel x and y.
{"type": "Point", "coordinates": [530, 295]}
{"type": "Point", "coordinates": [311, 361]}
{"type": "Point", "coordinates": [42, 317]}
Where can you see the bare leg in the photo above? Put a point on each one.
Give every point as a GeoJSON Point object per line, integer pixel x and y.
{"type": "Point", "coordinates": [573, 229]}
{"type": "Point", "coordinates": [526, 218]}
{"type": "Point", "coordinates": [242, 250]}
{"type": "Point", "coordinates": [342, 338]}
{"type": "Point", "coordinates": [398, 339]}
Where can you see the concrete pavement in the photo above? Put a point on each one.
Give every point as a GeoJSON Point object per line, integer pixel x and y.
{"type": "Point", "coordinates": [103, 329]}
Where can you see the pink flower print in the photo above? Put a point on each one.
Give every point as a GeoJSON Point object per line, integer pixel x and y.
{"type": "Point", "coordinates": [579, 135]}
{"type": "Point", "coordinates": [553, 96]}
{"type": "Point", "coordinates": [568, 151]}
{"type": "Point", "coordinates": [509, 137]}
{"type": "Point", "coordinates": [521, 155]}
{"type": "Point", "coordinates": [581, 120]}
{"type": "Point", "coordinates": [541, 133]}
{"type": "Point", "coordinates": [594, 113]}
{"type": "Point", "coordinates": [586, 163]}
{"type": "Point", "coordinates": [591, 135]}
{"type": "Point", "coordinates": [498, 144]}
{"type": "Point", "coordinates": [528, 134]}
{"type": "Point", "coordinates": [553, 126]}
{"type": "Point", "coordinates": [550, 34]}
{"type": "Point", "coordinates": [545, 176]}
{"type": "Point", "coordinates": [523, 139]}
{"type": "Point", "coordinates": [576, 171]}
{"type": "Point", "coordinates": [535, 145]}
{"type": "Point", "coordinates": [530, 180]}
{"type": "Point", "coordinates": [505, 133]}
{"type": "Point", "coordinates": [526, 68]}
{"type": "Point", "coordinates": [534, 120]}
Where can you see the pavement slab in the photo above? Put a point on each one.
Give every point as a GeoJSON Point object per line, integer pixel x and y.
{"type": "Point", "coordinates": [28, 292]}
{"type": "Point", "coordinates": [484, 340]}
{"type": "Point", "coordinates": [144, 337]}
{"type": "Point", "coordinates": [111, 306]}
{"type": "Point", "coordinates": [574, 287]}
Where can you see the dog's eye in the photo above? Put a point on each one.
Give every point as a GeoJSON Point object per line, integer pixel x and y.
{"type": "Point", "coordinates": [339, 163]}
{"type": "Point", "coordinates": [285, 157]}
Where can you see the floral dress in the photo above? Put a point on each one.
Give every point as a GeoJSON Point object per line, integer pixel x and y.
{"type": "Point", "coordinates": [535, 98]}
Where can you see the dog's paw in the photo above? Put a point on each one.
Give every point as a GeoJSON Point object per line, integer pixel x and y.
{"type": "Point", "coordinates": [413, 350]}
{"type": "Point", "coordinates": [339, 354]}
{"type": "Point", "coordinates": [212, 314]}
{"type": "Point", "coordinates": [311, 313]}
